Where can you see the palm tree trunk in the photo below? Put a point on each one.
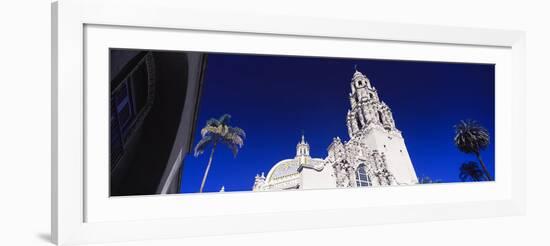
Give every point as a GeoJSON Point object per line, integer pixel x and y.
{"type": "Point", "coordinates": [208, 166]}
{"type": "Point", "coordinates": [484, 167]}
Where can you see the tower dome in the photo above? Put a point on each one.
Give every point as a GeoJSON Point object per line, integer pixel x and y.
{"type": "Point", "coordinates": [358, 74]}
{"type": "Point", "coordinates": [359, 80]}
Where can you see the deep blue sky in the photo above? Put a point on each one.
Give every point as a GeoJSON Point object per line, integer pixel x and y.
{"type": "Point", "coordinates": [274, 98]}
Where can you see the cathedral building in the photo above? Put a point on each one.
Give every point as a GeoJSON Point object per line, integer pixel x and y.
{"type": "Point", "coordinates": [374, 155]}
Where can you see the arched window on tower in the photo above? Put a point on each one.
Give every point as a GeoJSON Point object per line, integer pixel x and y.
{"type": "Point", "coordinates": [359, 124]}
{"type": "Point", "coordinates": [380, 117]}
{"type": "Point", "coordinates": [361, 177]}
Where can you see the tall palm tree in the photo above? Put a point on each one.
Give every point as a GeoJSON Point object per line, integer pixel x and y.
{"type": "Point", "coordinates": [471, 137]}
{"type": "Point", "coordinates": [471, 170]}
{"type": "Point", "coordinates": [218, 131]}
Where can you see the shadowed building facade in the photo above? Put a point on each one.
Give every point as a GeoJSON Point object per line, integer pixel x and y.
{"type": "Point", "coordinates": [154, 98]}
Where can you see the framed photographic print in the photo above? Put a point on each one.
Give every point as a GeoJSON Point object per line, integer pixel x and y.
{"type": "Point", "coordinates": [173, 125]}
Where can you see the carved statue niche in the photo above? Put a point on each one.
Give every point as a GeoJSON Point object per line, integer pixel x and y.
{"type": "Point", "coordinates": [354, 126]}
{"type": "Point", "coordinates": [383, 176]}
{"type": "Point", "coordinates": [380, 171]}
{"type": "Point", "coordinates": [378, 162]}
{"type": "Point", "coordinates": [362, 120]}
{"type": "Point", "coordinates": [342, 173]}
{"type": "Point", "coordinates": [367, 114]}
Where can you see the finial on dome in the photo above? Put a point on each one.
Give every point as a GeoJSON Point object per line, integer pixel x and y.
{"type": "Point", "coordinates": [356, 68]}
{"type": "Point", "coordinates": [303, 138]}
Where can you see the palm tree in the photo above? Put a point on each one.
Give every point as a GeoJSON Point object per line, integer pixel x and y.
{"type": "Point", "coordinates": [218, 131]}
{"type": "Point", "coordinates": [471, 137]}
{"type": "Point", "coordinates": [471, 170]}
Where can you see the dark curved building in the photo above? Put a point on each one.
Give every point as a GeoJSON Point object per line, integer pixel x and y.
{"type": "Point", "coordinates": [154, 97]}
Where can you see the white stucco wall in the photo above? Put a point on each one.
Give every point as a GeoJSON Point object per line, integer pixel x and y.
{"type": "Point", "coordinates": [397, 157]}
{"type": "Point", "coordinates": [313, 179]}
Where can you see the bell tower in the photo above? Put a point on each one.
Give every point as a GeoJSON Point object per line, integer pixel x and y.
{"type": "Point", "coordinates": [370, 123]}
{"type": "Point", "coordinates": [366, 107]}
{"type": "Point", "coordinates": [302, 151]}
{"type": "Point", "coordinates": [361, 88]}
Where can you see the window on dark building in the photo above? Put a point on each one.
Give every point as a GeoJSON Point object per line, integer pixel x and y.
{"type": "Point", "coordinates": [130, 100]}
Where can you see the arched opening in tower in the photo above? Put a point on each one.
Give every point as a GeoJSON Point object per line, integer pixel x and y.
{"type": "Point", "coordinates": [380, 118]}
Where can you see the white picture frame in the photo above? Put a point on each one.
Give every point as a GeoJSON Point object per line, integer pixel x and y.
{"type": "Point", "coordinates": [82, 211]}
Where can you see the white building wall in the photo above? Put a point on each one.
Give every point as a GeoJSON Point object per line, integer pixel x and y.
{"type": "Point", "coordinates": [397, 157]}
{"type": "Point", "coordinates": [313, 179]}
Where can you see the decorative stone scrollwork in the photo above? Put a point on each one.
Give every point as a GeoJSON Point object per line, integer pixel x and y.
{"type": "Point", "coordinates": [343, 173]}
{"type": "Point", "coordinates": [344, 158]}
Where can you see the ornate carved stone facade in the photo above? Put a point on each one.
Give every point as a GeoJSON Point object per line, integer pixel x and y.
{"type": "Point", "coordinates": [374, 155]}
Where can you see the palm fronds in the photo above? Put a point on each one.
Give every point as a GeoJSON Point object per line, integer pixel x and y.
{"type": "Point", "coordinates": [202, 144]}
{"type": "Point", "coordinates": [471, 171]}
{"type": "Point", "coordinates": [471, 137]}
{"type": "Point", "coordinates": [219, 131]}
